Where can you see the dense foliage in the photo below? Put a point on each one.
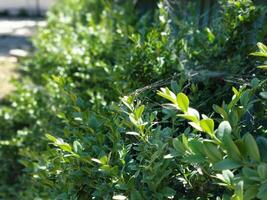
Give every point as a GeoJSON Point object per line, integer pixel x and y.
{"type": "Point", "coordinates": [86, 122]}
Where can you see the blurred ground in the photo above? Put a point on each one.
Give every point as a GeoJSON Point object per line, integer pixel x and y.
{"type": "Point", "coordinates": [14, 43]}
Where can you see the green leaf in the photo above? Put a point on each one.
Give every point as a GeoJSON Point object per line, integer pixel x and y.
{"type": "Point", "coordinates": [104, 160]}
{"type": "Point", "coordinates": [195, 125]}
{"type": "Point", "coordinates": [226, 197]}
{"type": "Point", "coordinates": [231, 147]}
{"type": "Point", "coordinates": [262, 144]}
{"type": "Point", "coordinates": [61, 115]}
{"type": "Point", "coordinates": [236, 92]}
{"type": "Point", "coordinates": [174, 86]}
{"type": "Point", "coordinates": [228, 176]}
{"type": "Point", "coordinates": [211, 36]}
{"type": "Point", "coordinates": [194, 159]}
{"type": "Point", "coordinates": [135, 195]}
{"type": "Point", "coordinates": [139, 111]}
{"type": "Point", "coordinates": [183, 102]}
{"type": "Point", "coordinates": [196, 147]}
{"type": "Point", "coordinates": [262, 47]}
{"type": "Point", "coordinates": [168, 192]}
{"type": "Point", "coordinates": [262, 192]}
{"type": "Point", "coordinates": [51, 138]}
{"type": "Point", "coordinates": [207, 125]}
{"type": "Point", "coordinates": [239, 188]}
{"type": "Point", "coordinates": [119, 197]}
{"type": "Point", "coordinates": [133, 133]}
{"type": "Point", "coordinates": [96, 160]}
{"type": "Point", "coordinates": [220, 111]}
{"type": "Point", "coordinates": [188, 117]}
{"type": "Point", "coordinates": [260, 54]}
{"type": "Point", "coordinates": [245, 97]}
{"type": "Point", "coordinates": [191, 114]}
{"type": "Point", "coordinates": [262, 170]}
{"type": "Point", "coordinates": [178, 145]}
{"type": "Point", "coordinates": [169, 156]}
{"type": "Point", "coordinates": [224, 128]}
{"type": "Point", "coordinates": [235, 99]}
{"type": "Point", "coordinates": [133, 120]}
{"type": "Point", "coordinates": [65, 147]}
{"type": "Point", "coordinates": [184, 140]}
{"type": "Point", "coordinates": [251, 147]}
{"type": "Point", "coordinates": [255, 82]}
{"type": "Point", "coordinates": [251, 192]}
{"type": "Point", "coordinates": [167, 94]}
{"type": "Point", "coordinates": [248, 172]}
{"type": "Point", "coordinates": [262, 66]}
{"type": "Point", "coordinates": [127, 101]}
{"type": "Point", "coordinates": [77, 147]}
{"type": "Point", "coordinates": [263, 95]}
{"type": "Point", "coordinates": [212, 152]}
{"type": "Point", "coordinates": [226, 164]}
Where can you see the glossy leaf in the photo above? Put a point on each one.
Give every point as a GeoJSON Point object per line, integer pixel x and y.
{"type": "Point", "coordinates": [207, 125]}
{"type": "Point", "coordinates": [227, 164]}
{"type": "Point", "coordinates": [183, 102]}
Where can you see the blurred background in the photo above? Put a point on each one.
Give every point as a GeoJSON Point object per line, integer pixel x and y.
{"type": "Point", "coordinates": [24, 7]}
{"type": "Point", "coordinates": [19, 20]}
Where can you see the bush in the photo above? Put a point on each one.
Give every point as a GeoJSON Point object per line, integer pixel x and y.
{"type": "Point", "coordinates": [68, 135]}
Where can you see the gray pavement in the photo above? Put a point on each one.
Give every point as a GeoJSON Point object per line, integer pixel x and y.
{"type": "Point", "coordinates": [15, 34]}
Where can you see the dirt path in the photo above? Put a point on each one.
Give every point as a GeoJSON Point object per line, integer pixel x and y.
{"type": "Point", "coordinates": [14, 42]}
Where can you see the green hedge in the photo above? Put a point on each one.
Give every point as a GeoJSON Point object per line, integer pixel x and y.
{"type": "Point", "coordinates": [86, 121]}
